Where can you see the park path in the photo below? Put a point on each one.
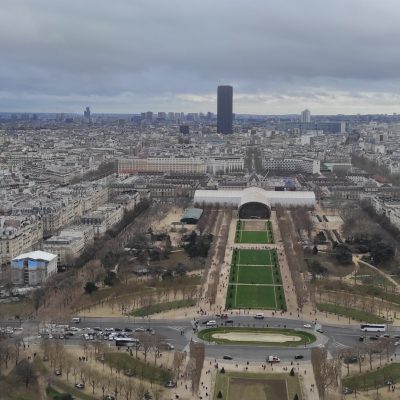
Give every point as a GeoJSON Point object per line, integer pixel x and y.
{"type": "Point", "coordinates": [357, 260]}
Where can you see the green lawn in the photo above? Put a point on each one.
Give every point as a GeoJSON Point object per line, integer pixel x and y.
{"type": "Point", "coordinates": [306, 337]}
{"type": "Point", "coordinates": [160, 307]}
{"type": "Point", "coordinates": [250, 270]}
{"type": "Point", "coordinates": [254, 257]}
{"type": "Point", "coordinates": [254, 274]}
{"type": "Point", "coordinates": [351, 313]}
{"type": "Point", "coordinates": [148, 372]}
{"type": "Point", "coordinates": [373, 379]}
{"type": "Point", "coordinates": [250, 386]}
{"type": "Point", "coordinates": [251, 296]}
{"type": "Point", "coordinates": [255, 237]}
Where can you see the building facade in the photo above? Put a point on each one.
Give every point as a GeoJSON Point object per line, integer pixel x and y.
{"type": "Point", "coordinates": [301, 165]}
{"type": "Point", "coordinates": [33, 268]}
{"type": "Point", "coordinates": [225, 109]}
{"type": "Point", "coordinates": [161, 164]}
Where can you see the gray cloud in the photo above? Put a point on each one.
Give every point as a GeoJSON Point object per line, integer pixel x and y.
{"type": "Point", "coordinates": [128, 56]}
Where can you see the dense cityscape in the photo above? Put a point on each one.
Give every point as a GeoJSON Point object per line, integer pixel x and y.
{"type": "Point", "coordinates": [234, 236]}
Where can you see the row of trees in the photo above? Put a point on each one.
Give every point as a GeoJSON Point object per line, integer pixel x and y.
{"type": "Point", "coordinates": [328, 370]}
{"type": "Point", "coordinates": [195, 364]}
{"type": "Point", "coordinates": [218, 254]}
{"type": "Point", "coordinates": [369, 304]}
{"type": "Point", "coordinates": [294, 254]}
{"type": "Point", "coordinates": [113, 380]}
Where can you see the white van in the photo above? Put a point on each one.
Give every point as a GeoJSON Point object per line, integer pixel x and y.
{"type": "Point", "coordinates": [76, 320]}
{"type": "Point", "coordinates": [273, 359]}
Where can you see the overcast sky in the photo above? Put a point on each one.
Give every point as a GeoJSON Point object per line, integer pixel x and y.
{"type": "Point", "coordinates": [128, 56]}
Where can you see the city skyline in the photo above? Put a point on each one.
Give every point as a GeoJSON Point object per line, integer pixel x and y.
{"type": "Point", "coordinates": [150, 55]}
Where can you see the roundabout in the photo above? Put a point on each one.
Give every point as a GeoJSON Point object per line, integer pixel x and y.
{"type": "Point", "coordinates": [258, 336]}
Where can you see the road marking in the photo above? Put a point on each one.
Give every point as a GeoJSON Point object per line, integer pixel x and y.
{"type": "Point", "coordinates": [176, 328]}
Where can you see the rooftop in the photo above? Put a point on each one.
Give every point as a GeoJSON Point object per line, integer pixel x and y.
{"type": "Point", "coordinates": [37, 255]}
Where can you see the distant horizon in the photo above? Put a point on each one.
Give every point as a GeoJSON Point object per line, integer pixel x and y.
{"type": "Point", "coordinates": [186, 113]}
{"type": "Point", "coordinates": [333, 58]}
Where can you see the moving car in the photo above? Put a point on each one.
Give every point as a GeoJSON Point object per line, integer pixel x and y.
{"type": "Point", "coordinates": [80, 385]}
{"type": "Point", "coordinates": [129, 373]}
{"type": "Point", "coordinates": [259, 316]}
{"type": "Point", "coordinates": [227, 357]}
{"type": "Point", "coordinates": [298, 357]}
{"type": "Point", "coordinates": [211, 323]}
{"type": "Point", "coordinates": [347, 390]}
{"type": "Point", "coordinates": [308, 326]}
{"type": "Point", "coordinates": [169, 346]}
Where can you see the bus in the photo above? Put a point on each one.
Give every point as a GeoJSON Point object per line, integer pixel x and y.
{"type": "Point", "coordinates": [373, 327]}
{"type": "Point", "coordinates": [127, 342]}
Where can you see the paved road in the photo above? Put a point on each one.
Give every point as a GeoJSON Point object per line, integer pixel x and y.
{"type": "Point", "coordinates": [180, 332]}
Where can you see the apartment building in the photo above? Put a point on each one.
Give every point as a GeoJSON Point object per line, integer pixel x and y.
{"type": "Point", "coordinates": [104, 218]}
{"type": "Point", "coordinates": [388, 206]}
{"type": "Point", "coordinates": [18, 235]}
{"type": "Point", "coordinates": [161, 164]}
{"type": "Point", "coordinates": [301, 165]}
{"type": "Point", "coordinates": [225, 164]}
{"type": "Point", "coordinates": [69, 243]}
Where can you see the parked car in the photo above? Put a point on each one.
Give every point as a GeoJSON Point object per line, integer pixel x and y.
{"type": "Point", "coordinates": [128, 330]}
{"type": "Point", "coordinates": [57, 372]}
{"type": "Point", "coordinates": [350, 359]}
{"type": "Point", "coordinates": [298, 357]}
{"type": "Point", "coordinates": [226, 357]}
{"type": "Point", "coordinates": [139, 330]}
{"type": "Point", "coordinates": [80, 385]}
{"type": "Point", "coordinates": [129, 373]}
{"type": "Point", "coordinates": [170, 384]}
{"type": "Point", "coordinates": [347, 390]}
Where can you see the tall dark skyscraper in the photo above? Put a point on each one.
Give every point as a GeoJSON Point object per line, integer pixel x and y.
{"type": "Point", "coordinates": [224, 109]}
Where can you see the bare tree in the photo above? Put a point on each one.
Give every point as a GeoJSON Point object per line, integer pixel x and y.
{"type": "Point", "coordinates": [25, 371]}
{"type": "Point", "coordinates": [326, 371]}
{"type": "Point", "coordinates": [197, 355]}
{"type": "Point", "coordinates": [146, 343]}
